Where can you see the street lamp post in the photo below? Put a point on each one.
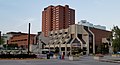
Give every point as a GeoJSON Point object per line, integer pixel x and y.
{"type": "Point", "coordinates": [29, 39]}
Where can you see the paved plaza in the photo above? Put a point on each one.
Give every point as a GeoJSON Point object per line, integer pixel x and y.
{"type": "Point", "coordinates": [83, 61]}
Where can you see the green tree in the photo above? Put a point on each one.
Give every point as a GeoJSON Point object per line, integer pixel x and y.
{"type": "Point", "coordinates": [100, 49]}
{"type": "Point", "coordinates": [2, 41]}
{"type": "Point", "coordinates": [56, 49]}
{"type": "Point", "coordinates": [116, 38]}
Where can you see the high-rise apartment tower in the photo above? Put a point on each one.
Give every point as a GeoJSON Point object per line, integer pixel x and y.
{"type": "Point", "coordinates": [56, 18]}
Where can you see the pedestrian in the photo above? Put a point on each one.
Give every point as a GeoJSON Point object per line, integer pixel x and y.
{"type": "Point", "coordinates": [48, 56]}
{"type": "Point", "coordinates": [63, 56]}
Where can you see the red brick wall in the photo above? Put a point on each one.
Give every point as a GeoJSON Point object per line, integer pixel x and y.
{"type": "Point", "coordinates": [56, 18]}
{"type": "Point", "coordinates": [99, 34]}
{"type": "Point", "coordinates": [21, 40]}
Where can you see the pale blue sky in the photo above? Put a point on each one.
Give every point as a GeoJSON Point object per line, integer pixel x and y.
{"type": "Point", "coordinates": [16, 14]}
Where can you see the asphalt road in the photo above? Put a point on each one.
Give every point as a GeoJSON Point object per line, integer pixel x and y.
{"type": "Point", "coordinates": [82, 61]}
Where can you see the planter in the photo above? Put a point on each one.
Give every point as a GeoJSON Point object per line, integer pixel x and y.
{"type": "Point", "coordinates": [55, 56]}
{"type": "Point", "coordinates": [115, 55]}
{"type": "Point", "coordinates": [74, 58]}
{"type": "Point", "coordinates": [97, 57]}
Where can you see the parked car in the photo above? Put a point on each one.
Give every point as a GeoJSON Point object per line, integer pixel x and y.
{"type": "Point", "coordinates": [118, 52]}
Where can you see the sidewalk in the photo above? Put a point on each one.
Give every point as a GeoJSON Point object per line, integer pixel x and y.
{"type": "Point", "coordinates": [110, 59]}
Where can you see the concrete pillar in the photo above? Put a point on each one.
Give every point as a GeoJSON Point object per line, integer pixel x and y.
{"type": "Point", "coordinates": [60, 47]}
{"type": "Point", "coordinates": [110, 48]}
{"type": "Point", "coordinates": [40, 45]}
{"type": "Point", "coordinates": [93, 44]}
{"type": "Point", "coordinates": [93, 40]}
{"type": "Point", "coordinates": [88, 45]}
{"type": "Point", "coordinates": [54, 46]}
{"type": "Point", "coordinates": [70, 49]}
{"type": "Point", "coordinates": [49, 47]}
{"type": "Point", "coordinates": [65, 49]}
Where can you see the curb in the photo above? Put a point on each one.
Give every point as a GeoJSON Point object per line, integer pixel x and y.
{"type": "Point", "coordinates": [111, 61]}
{"type": "Point", "coordinates": [20, 59]}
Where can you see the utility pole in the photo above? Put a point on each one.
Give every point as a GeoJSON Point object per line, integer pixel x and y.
{"type": "Point", "coordinates": [0, 37]}
{"type": "Point", "coordinates": [29, 39]}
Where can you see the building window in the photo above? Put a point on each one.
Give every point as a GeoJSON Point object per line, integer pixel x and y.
{"type": "Point", "coordinates": [84, 49]}
{"type": "Point", "coordinates": [56, 16]}
{"type": "Point", "coordinates": [68, 48]}
{"type": "Point", "coordinates": [56, 28]}
{"type": "Point", "coordinates": [66, 32]}
{"type": "Point", "coordinates": [63, 49]}
{"type": "Point", "coordinates": [50, 34]}
{"type": "Point", "coordinates": [60, 33]}
{"type": "Point", "coordinates": [68, 37]}
{"type": "Point", "coordinates": [55, 33]}
{"type": "Point", "coordinates": [64, 42]}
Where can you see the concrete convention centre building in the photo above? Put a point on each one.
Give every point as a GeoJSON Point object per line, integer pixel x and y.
{"type": "Point", "coordinates": [58, 25]}
{"type": "Point", "coordinates": [77, 36]}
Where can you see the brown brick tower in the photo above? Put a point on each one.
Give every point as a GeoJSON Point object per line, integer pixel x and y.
{"type": "Point", "coordinates": [56, 18]}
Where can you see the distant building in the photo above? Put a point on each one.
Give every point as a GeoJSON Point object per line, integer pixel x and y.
{"type": "Point", "coordinates": [56, 18]}
{"type": "Point", "coordinates": [8, 35]}
{"type": "Point", "coordinates": [86, 23]}
{"type": "Point", "coordinates": [21, 39]}
{"type": "Point", "coordinates": [41, 41]}
{"type": "Point", "coordinates": [100, 27]}
{"type": "Point", "coordinates": [75, 37]}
